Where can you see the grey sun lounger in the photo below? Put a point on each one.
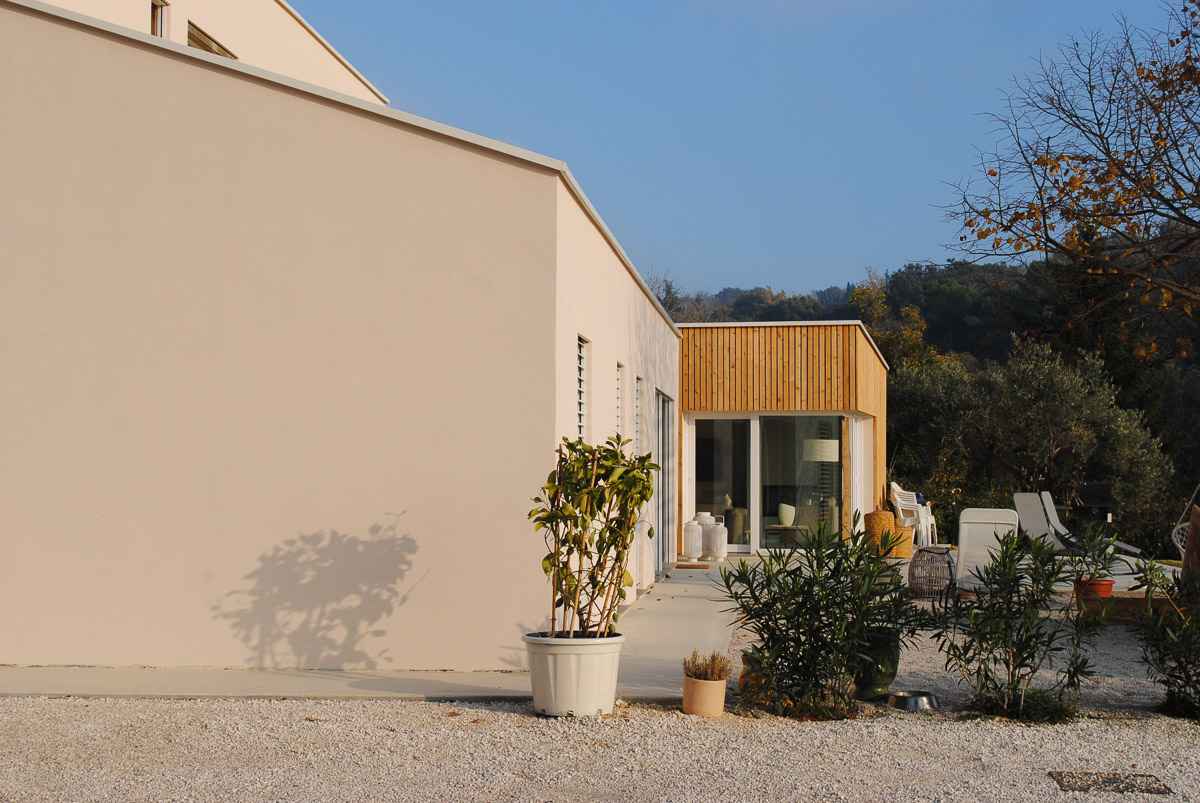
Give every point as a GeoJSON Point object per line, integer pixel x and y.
{"type": "Point", "coordinates": [1039, 519]}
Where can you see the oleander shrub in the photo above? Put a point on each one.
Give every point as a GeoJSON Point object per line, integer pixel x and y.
{"type": "Point", "coordinates": [1016, 625]}
{"type": "Point", "coordinates": [1170, 638]}
{"type": "Point", "coordinates": [813, 613]}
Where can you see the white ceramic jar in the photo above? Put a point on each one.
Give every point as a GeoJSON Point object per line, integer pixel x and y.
{"type": "Point", "coordinates": [707, 521]}
{"type": "Point", "coordinates": [693, 539]}
{"type": "Point", "coordinates": [718, 540]}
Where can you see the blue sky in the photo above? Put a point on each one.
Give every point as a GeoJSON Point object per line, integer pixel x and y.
{"type": "Point", "coordinates": [791, 143]}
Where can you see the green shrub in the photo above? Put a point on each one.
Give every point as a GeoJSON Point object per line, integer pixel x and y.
{"type": "Point", "coordinates": [588, 513]}
{"type": "Point", "coordinates": [1015, 626]}
{"type": "Point", "coordinates": [813, 613]}
{"type": "Point", "coordinates": [1171, 639]}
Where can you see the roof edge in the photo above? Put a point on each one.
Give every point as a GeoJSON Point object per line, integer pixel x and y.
{"type": "Point", "coordinates": [599, 223]}
{"type": "Point", "coordinates": [331, 95]}
{"type": "Point", "coordinates": [333, 51]}
{"type": "Point", "coordinates": [405, 118]}
{"type": "Point", "coordinates": [731, 324]}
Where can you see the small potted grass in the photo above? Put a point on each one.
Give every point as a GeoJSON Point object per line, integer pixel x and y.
{"type": "Point", "coordinates": [704, 681]}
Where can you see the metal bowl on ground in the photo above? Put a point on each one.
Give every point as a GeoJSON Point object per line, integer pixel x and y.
{"type": "Point", "coordinates": [913, 701]}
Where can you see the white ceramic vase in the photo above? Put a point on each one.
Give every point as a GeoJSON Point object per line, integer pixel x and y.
{"type": "Point", "coordinates": [706, 520]}
{"type": "Point", "coordinates": [573, 677]}
{"type": "Point", "coordinates": [693, 539]}
{"type": "Point", "coordinates": [787, 515]}
{"type": "Point", "coordinates": [718, 541]}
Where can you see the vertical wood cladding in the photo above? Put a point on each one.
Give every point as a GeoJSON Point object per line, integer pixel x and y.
{"type": "Point", "coordinates": [814, 367]}
{"type": "Point", "coordinates": [802, 368]}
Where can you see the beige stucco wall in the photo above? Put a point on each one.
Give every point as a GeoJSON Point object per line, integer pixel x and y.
{"type": "Point", "coordinates": [236, 318]}
{"type": "Point", "coordinates": [599, 299]}
{"type": "Point", "coordinates": [262, 33]}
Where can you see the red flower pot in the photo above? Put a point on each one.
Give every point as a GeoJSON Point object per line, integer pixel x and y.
{"type": "Point", "coordinates": [1092, 589]}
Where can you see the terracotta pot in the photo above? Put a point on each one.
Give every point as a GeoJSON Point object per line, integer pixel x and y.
{"type": "Point", "coordinates": [703, 698]}
{"type": "Point", "coordinates": [1092, 589]}
{"type": "Point", "coordinates": [748, 680]}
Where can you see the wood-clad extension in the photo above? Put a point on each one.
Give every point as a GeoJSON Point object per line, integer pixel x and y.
{"type": "Point", "coordinates": [818, 366]}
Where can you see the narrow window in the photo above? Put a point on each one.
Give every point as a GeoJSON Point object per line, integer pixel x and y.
{"type": "Point", "coordinates": [581, 387]}
{"type": "Point", "coordinates": [620, 393]}
{"type": "Point", "coordinates": [202, 41]}
{"type": "Point", "coordinates": [158, 18]}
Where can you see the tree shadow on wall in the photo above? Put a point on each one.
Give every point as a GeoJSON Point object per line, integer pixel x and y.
{"type": "Point", "coordinates": [313, 600]}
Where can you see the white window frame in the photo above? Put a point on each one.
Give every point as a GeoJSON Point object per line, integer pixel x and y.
{"type": "Point", "coordinates": [665, 498]}
{"type": "Point", "coordinates": [689, 461]}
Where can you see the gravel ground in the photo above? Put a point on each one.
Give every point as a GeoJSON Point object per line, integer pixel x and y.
{"type": "Point", "coordinates": [131, 750]}
{"type": "Point", "coordinates": [141, 749]}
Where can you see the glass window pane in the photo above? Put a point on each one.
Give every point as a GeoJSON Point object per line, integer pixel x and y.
{"type": "Point", "coordinates": [801, 477]}
{"type": "Point", "coordinates": [723, 474]}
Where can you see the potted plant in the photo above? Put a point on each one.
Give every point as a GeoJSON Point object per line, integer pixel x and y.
{"type": "Point", "coordinates": [817, 616]}
{"type": "Point", "coordinates": [588, 513]}
{"type": "Point", "coordinates": [704, 682]}
{"type": "Point", "coordinates": [1093, 568]}
{"type": "Point", "coordinates": [890, 615]}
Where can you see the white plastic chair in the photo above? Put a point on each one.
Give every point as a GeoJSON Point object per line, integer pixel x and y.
{"type": "Point", "coordinates": [979, 533]}
{"type": "Point", "coordinates": [910, 513]}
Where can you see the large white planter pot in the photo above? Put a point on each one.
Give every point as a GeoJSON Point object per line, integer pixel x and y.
{"type": "Point", "coordinates": [573, 676]}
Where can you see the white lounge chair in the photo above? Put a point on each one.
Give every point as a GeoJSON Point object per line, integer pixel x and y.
{"type": "Point", "coordinates": [979, 533]}
{"type": "Point", "coordinates": [910, 513]}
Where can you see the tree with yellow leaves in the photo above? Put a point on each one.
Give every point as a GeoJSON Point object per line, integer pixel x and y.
{"type": "Point", "coordinates": [902, 341]}
{"type": "Point", "coordinates": [1098, 167]}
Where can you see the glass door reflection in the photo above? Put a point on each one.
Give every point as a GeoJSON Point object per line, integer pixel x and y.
{"type": "Point", "coordinates": [801, 476]}
{"type": "Point", "coordinates": [723, 475]}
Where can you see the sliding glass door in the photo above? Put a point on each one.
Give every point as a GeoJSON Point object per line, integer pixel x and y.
{"type": "Point", "coordinates": [801, 476]}
{"type": "Point", "coordinates": [722, 475]}
{"type": "Point", "coordinates": [774, 478]}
